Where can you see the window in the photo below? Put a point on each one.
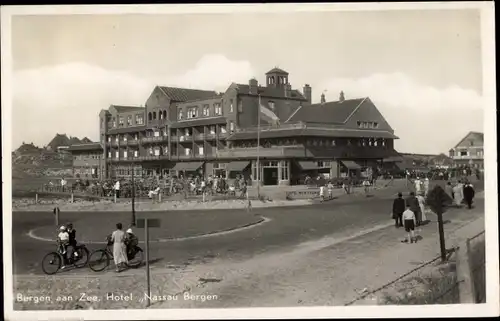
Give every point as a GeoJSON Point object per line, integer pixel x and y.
{"type": "Point", "coordinates": [271, 105]}
{"type": "Point", "coordinates": [284, 171]}
{"type": "Point", "coordinates": [109, 154]}
{"type": "Point", "coordinates": [324, 164]}
{"type": "Point", "coordinates": [333, 142]}
{"type": "Point", "coordinates": [212, 130]}
{"type": "Point", "coordinates": [218, 109]}
{"type": "Point", "coordinates": [129, 120]}
{"type": "Point", "coordinates": [125, 138]}
{"type": "Point", "coordinates": [187, 132]}
{"type": "Point", "coordinates": [375, 143]}
{"type": "Point", "coordinates": [139, 119]}
{"type": "Point", "coordinates": [187, 151]}
{"type": "Point", "coordinates": [223, 129]}
{"type": "Point", "coordinates": [160, 115]}
{"type": "Point", "coordinates": [200, 151]}
{"type": "Point", "coordinates": [109, 139]}
{"type": "Point", "coordinates": [156, 133]}
{"type": "Point", "coordinates": [136, 153]}
{"type": "Point", "coordinates": [375, 125]}
{"type": "Point", "coordinates": [150, 116]}
{"type": "Point", "coordinates": [480, 153]}
{"type": "Point", "coordinates": [180, 114]}
{"type": "Point", "coordinates": [136, 136]}
{"type": "Point", "coordinates": [206, 110]}
{"type": "Point", "coordinates": [231, 108]}
{"type": "Point", "coordinates": [154, 115]}
{"type": "Point", "coordinates": [164, 114]}
{"type": "Point", "coordinates": [383, 142]}
{"type": "Point", "coordinates": [120, 121]}
{"type": "Point", "coordinates": [463, 153]}
{"type": "Point", "coordinates": [117, 154]}
{"type": "Point", "coordinates": [117, 138]}
{"type": "Point", "coordinates": [157, 151]}
{"type": "Point", "coordinates": [114, 122]}
{"type": "Point", "coordinates": [125, 154]}
{"type": "Point", "coordinates": [472, 143]}
{"type": "Point", "coordinates": [150, 151]}
{"type": "Point", "coordinates": [231, 126]}
{"type": "Point", "coordinates": [192, 112]}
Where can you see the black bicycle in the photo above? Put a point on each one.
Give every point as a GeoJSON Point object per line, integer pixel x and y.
{"type": "Point", "coordinates": [53, 261]}
{"type": "Point", "coordinates": [100, 259]}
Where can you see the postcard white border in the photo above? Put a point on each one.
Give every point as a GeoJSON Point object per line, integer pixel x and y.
{"type": "Point", "coordinates": [491, 216]}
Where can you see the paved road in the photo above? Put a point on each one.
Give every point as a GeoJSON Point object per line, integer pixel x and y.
{"type": "Point", "coordinates": [286, 227]}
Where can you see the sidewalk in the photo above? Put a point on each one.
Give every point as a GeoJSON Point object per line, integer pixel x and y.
{"type": "Point", "coordinates": [324, 272]}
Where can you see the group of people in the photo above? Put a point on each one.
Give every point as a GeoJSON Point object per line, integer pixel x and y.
{"type": "Point", "coordinates": [461, 192]}
{"type": "Point", "coordinates": [124, 245]}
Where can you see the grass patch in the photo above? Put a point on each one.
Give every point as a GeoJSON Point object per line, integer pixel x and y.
{"type": "Point", "coordinates": [435, 288]}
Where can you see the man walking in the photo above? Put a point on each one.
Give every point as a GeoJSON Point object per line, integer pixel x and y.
{"type": "Point", "coordinates": [412, 202]}
{"type": "Point", "coordinates": [469, 194]}
{"type": "Point", "coordinates": [398, 207]}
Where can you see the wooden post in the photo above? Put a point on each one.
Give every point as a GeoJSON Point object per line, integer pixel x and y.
{"type": "Point", "coordinates": [72, 198]}
{"type": "Point", "coordinates": [441, 236]}
{"type": "Point", "coordinates": [146, 239]}
{"type": "Point", "coordinates": [159, 196]}
{"type": "Point", "coordinates": [56, 213]}
{"type": "Point", "coordinates": [115, 196]}
{"type": "Point", "coordinates": [204, 193]}
{"type": "Point", "coordinates": [36, 198]}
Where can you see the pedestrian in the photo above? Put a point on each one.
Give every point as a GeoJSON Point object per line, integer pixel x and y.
{"type": "Point", "coordinates": [415, 207]}
{"type": "Point", "coordinates": [409, 220]}
{"type": "Point", "coordinates": [366, 185]}
{"type": "Point", "coordinates": [398, 207]}
{"type": "Point", "coordinates": [426, 186]}
{"type": "Point", "coordinates": [322, 192]}
{"type": "Point", "coordinates": [418, 185]}
{"type": "Point", "coordinates": [458, 191]}
{"type": "Point", "coordinates": [469, 194]}
{"type": "Point", "coordinates": [330, 190]}
{"type": "Point", "coordinates": [421, 204]}
{"type": "Point", "coordinates": [117, 188]}
{"type": "Point", "coordinates": [119, 239]}
{"type": "Point", "coordinates": [63, 183]}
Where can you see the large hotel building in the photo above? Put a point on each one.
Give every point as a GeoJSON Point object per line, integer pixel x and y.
{"type": "Point", "coordinates": [200, 132]}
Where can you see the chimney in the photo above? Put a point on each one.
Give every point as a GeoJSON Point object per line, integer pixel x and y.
{"type": "Point", "coordinates": [308, 93]}
{"type": "Point", "coordinates": [323, 100]}
{"type": "Point", "coordinates": [341, 98]}
{"type": "Point", "coordinates": [253, 85]}
{"type": "Point", "coordinates": [288, 90]}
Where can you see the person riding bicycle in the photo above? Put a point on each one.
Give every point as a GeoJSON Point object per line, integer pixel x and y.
{"type": "Point", "coordinates": [72, 240]}
{"type": "Point", "coordinates": [132, 242]}
{"type": "Point", "coordinates": [63, 242]}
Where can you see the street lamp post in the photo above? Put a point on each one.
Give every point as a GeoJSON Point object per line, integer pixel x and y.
{"type": "Point", "coordinates": [133, 196]}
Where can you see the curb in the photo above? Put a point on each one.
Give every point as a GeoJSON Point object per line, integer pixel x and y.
{"type": "Point", "coordinates": [247, 226]}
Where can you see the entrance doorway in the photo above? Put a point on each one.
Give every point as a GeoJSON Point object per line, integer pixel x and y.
{"type": "Point", "coordinates": [270, 176]}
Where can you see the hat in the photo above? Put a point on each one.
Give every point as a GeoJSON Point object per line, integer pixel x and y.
{"type": "Point", "coordinates": [62, 228]}
{"type": "Point", "coordinates": [129, 231]}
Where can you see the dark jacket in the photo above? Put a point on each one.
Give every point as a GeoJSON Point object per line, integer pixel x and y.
{"type": "Point", "coordinates": [72, 237]}
{"type": "Point", "coordinates": [398, 207]}
{"type": "Point", "coordinates": [468, 192]}
{"type": "Point", "coordinates": [414, 206]}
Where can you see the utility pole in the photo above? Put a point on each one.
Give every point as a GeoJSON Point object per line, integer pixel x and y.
{"type": "Point", "coordinates": [133, 196]}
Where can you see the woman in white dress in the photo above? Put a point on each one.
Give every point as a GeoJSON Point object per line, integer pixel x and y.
{"type": "Point", "coordinates": [458, 194]}
{"type": "Point", "coordinates": [421, 203]}
{"type": "Point", "coordinates": [119, 248]}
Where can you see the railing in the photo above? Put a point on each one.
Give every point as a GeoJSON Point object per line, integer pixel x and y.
{"type": "Point", "coordinates": [185, 138]}
{"type": "Point", "coordinates": [210, 136]}
{"type": "Point", "coordinates": [154, 139]}
{"type": "Point", "coordinates": [467, 157]}
{"type": "Point", "coordinates": [199, 137]}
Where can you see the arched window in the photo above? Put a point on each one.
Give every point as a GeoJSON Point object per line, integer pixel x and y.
{"type": "Point", "coordinates": [154, 115]}
{"type": "Point", "coordinates": [164, 114]}
{"type": "Point", "coordinates": [150, 116]}
{"type": "Point", "coordinates": [160, 115]}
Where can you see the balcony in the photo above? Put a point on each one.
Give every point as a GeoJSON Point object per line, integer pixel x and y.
{"type": "Point", "coordinates": [210, 136]}
{"type": "Point", "coordinates": [224, 135]}
{"type": "Point", "coordinates": [466, 157]}
{"type": "Point", "coordinates": [154, 139]}
{"type": "Point", "coordinates": [252, 152]}
{"type": "Point", "coordinates": [199, 137]}
{"type": "Point", "coordinates": [131, 142]}
{"type": "Point", "coordinates": [184, 139]}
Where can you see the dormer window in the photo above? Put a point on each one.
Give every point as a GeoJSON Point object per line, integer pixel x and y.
{"type": "Point", "coordinates": [231, 108]}
{"type": "Point", "coordinates": [129, 120]}
{"type": "Point", "coordinates": [192, 112]}
{"type": "Point", "coordinates": [218, 109]}
{"type": "Point", "coordinates": [206, 110]}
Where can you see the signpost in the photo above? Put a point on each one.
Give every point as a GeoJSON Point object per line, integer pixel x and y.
{"type": "Point", "coordinates": [147, 223]}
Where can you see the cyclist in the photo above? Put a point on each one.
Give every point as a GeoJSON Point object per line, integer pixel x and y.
{"type": "Point", "coordinates": [72, 240]}
{"type": "Point", "coordinates": [63, 242]}
{"type": "Point", "coordinates": [132, 242]}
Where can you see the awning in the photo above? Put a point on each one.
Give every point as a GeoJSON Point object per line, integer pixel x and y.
{"type": "Point", "coordinates": [350, 164]}
{"type": "Point", "coordinates": [308, 165]}
{"type": "Point", "coordinates": [188, 167]}
{"type": "Point", "coordinates": [237, 166]}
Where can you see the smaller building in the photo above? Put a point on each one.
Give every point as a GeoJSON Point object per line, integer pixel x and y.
{"type": "Point", "coordinates": [469, 152]}
{"type": "Point", "coordinates": [88, 160]}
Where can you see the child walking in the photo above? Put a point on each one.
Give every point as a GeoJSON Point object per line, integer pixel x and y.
{"type": "Point", "coordinates": [409, 221]}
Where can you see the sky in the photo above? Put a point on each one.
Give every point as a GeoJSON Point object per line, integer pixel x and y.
{"type": "Point", "coordinates": [421, 68]}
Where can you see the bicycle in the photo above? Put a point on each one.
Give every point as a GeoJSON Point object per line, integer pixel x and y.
{"type": "Point", "coordinates": [105, 255]}
{"type": "Point", "coordinates": [55, 259]}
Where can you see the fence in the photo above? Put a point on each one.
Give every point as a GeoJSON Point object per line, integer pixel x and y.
{"type": "Point", "coordinates": [474, 291]}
